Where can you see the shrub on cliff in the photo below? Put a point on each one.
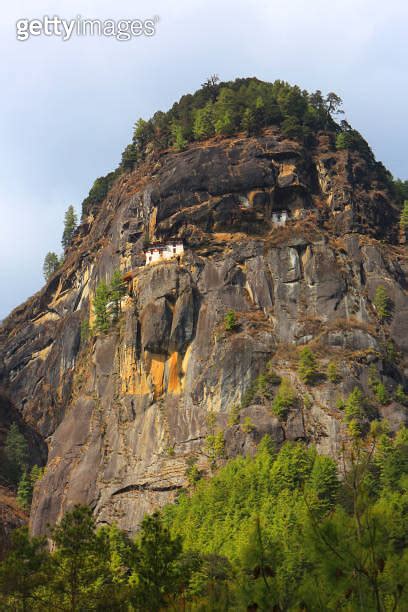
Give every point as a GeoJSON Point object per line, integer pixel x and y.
{"type": "Point", "coordinates": [284, 399]}
{"type": "Point", "coordinates": [230, 321]}
{"type": "Point", "coordinates": [102, 184]}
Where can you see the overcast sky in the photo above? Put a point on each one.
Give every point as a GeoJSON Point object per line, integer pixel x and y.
{"type": "Point", "coordinates": [67, 108]}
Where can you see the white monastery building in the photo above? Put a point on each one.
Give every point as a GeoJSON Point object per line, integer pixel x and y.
{"type": "Point", "coordinates": [158, 252]}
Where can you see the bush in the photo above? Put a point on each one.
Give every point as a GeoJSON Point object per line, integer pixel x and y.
{"type": "Point", "coordinates": [101, 186]}
{"type": "Point", "coordinates": [247, 425]}
{"type": "Point", "coordinates": [284, 399]}
{"type": "Point", "coordinates": [230, 321]}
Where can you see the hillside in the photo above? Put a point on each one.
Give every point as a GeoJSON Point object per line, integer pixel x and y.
{"type": "Point", "coordinates": [125, 412]}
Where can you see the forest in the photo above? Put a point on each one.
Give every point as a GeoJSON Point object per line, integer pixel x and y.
{"type": "Point", "coordinates": [283, 530]}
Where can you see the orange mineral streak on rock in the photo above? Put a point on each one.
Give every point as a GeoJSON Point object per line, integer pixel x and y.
{"type": "Point", "coordinates": [157, 367]}
{"type": "Point", "coordinates": [174, 382]}
{"type": "Point", "coordinates": [133, 379]}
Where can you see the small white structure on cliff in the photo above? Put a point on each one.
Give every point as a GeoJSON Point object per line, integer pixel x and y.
{"type": "Point", "coordinates": [280, 217]}
{"type": "Point", "coordinates": [158, 252]}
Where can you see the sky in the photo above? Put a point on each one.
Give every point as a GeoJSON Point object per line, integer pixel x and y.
{"type": "Point", "coordinates": [68, 108]}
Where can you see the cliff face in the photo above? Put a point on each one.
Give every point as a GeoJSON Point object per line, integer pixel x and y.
{"type": "Point", "coordinates": [123, 413]}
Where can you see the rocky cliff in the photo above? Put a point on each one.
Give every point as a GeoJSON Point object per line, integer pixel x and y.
{"type": "Point", "coordinates": [123, 413]}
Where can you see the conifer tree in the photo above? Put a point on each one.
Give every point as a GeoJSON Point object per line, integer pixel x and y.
{"type": "Point", "coordinates": [24, 572]}
{"type": "Point", "coordinates": [25, 491]}
{"type": "Point", "coordinates": [16, 453]}
{"type": "Point", "coordinates": [382, 303]}
{"type": "Point", "coordinates": [404, 217]}
{"type": "Point", "coordinates": [157, 568]}
{"type": "Point", "coordinates": [80, 562]}
{"type": "Point", "coordinates": [70, 224]}
{"type": "Point", "coordinates": [102, 318]}
{"type": "Point", "coordinates": [51, 264]}
{"type": "Point", "coordinates": [179, 142]}
{"type": "Point", "coordinates": [307, 369]}
{"type": "Point", "coordinates": [117, 290]}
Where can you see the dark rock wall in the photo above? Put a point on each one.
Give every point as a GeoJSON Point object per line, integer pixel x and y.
{"type": "Point", "coordinates": [123, 413]}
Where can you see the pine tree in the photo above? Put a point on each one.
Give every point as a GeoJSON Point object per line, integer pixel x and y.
{"type": "Point", "coordinates": [117, 290]}
{"type": "Point", "coordinates": [16, 453]}
{"type": "Point", "coordinates": [102, 318]}
{"type": "Point", "coordinates": [25, 491]}
{"type": "Point", "coordinates": [307, 366]}
{"type": "Point", "coordinates": [178, 140]}
{"type": "Point", "coordinates": [404, 217]}
{"type": "Point", "coordinates": [204, 122]}
{"type": "Point", "coordinates": [70, 224]}
{"type": "Point", "coordinates": [355, 411]}
{"type": "Point", "coordinates": [51, 264]}
{"type": "Point", "coordinates": [382, 303]}
{"type": "Point", "coordinates": [332, 373]}
{"type": "Point", "coordinates": [284, 399]}
{"type": "Point", "coordinates": [157, 569]}
{"type": "Point", "coordinates": [25, 570]}
{"type": "Point", "coordinates": [80, 562]}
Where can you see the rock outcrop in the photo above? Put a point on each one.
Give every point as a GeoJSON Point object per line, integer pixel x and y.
{"type": "Point", "coordinates": [123, 412]}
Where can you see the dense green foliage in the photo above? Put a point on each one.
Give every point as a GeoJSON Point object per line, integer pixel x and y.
{"type": "Point", "coordinates": [229, 107]}
{"type": "Point", "coordinates": [404, 216]}
{"type": "Point", "coordinates": [284, 399]}
{"type": "Point", "coordinates": [51, 264]}
{"type": "Point", "coordinates": [98, 191]}
{"type": "Point", "coordinates": [26, 486]}
{"type": "Point", "coordinates": [70, 225]}
{"type": "Point", "coordinates": [230, 321]}
{"type": "Point", "coordinates": [401, 190]}
{"type": "Point", "coordinates": [15, 455]}
{"type": "Point", "coordinates": [100, 305]}
{"type": "Point", "coordinates": [279, 531]}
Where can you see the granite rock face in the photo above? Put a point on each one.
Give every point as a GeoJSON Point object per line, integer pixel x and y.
{"type": "Point", "coordinates": [123, 413]}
